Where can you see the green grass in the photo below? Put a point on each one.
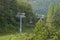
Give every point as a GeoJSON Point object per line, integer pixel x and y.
{"type": "Point", "coordinates": [26, 35]}
{"type": "Point", "coordinates": [10, 37]}
{"type": "Point", "coordinates": [23, 36]}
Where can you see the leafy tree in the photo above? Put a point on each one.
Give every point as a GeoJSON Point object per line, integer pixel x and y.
{"type": "Point", "coordinates": [25, 7]}
{"type": "Point", "coordinates": [8, 11]}
{"type": "Point", "coordinates": [7, 14]}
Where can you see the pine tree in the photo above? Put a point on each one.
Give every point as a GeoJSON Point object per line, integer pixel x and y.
{"type": "Point", "coordinates": [50, 29]}
{"type": "Point", "coordinates": [51, 22]}
{"type": "Point", "coordinates": [40, 31]}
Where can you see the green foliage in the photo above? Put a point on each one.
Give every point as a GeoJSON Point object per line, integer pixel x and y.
{"type": "Point", "coordinates": [7, 15]}
{"type": "Point", "coordinates": [40, 31]}
{"type": "Point", "coordinates": [52, 21]}
{"type": "Point", "coordinates": [23, 36]}
{"type": "Point", "coordinates": [25, 7]}
{"type": "Point", "coordinates": [8, 11]}
{"type": "Point", "coordinates": [50, 29]}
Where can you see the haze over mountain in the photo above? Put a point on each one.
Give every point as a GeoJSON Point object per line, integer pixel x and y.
{"type": "Point", "coordinates": [41, 6]}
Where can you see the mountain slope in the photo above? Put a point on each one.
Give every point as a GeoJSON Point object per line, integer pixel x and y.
{"type": "Point", "coordinates": [41, 6]}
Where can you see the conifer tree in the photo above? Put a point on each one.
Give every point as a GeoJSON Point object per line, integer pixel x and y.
{"type": "Point", "coordinates": [50, 29]}
{"type": "Point", "coordinates": [52, 22]}
{"type": "Point", "coordinates": [40, 31]}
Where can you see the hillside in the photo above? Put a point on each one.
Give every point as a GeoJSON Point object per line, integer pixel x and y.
{"type": "Point", "coordinates": [41, 6]}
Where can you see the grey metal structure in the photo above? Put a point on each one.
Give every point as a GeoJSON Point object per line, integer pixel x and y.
{"type": "Point", "coordinates": [21, 15]}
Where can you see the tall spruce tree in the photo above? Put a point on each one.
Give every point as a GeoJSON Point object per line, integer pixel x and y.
{"type": "Point", "coordinates": [52, 19]}
{"type": "Point", "coordinates": [40, 31]}
{"type": "Point", "coordinates": [50, 29]}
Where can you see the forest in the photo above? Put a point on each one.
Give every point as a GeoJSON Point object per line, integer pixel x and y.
{"type": "Point", "coordinates": [29, 20]}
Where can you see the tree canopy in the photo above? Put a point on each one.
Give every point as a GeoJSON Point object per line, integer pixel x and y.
{"type": "Point", "coordinates": [8, 11]}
